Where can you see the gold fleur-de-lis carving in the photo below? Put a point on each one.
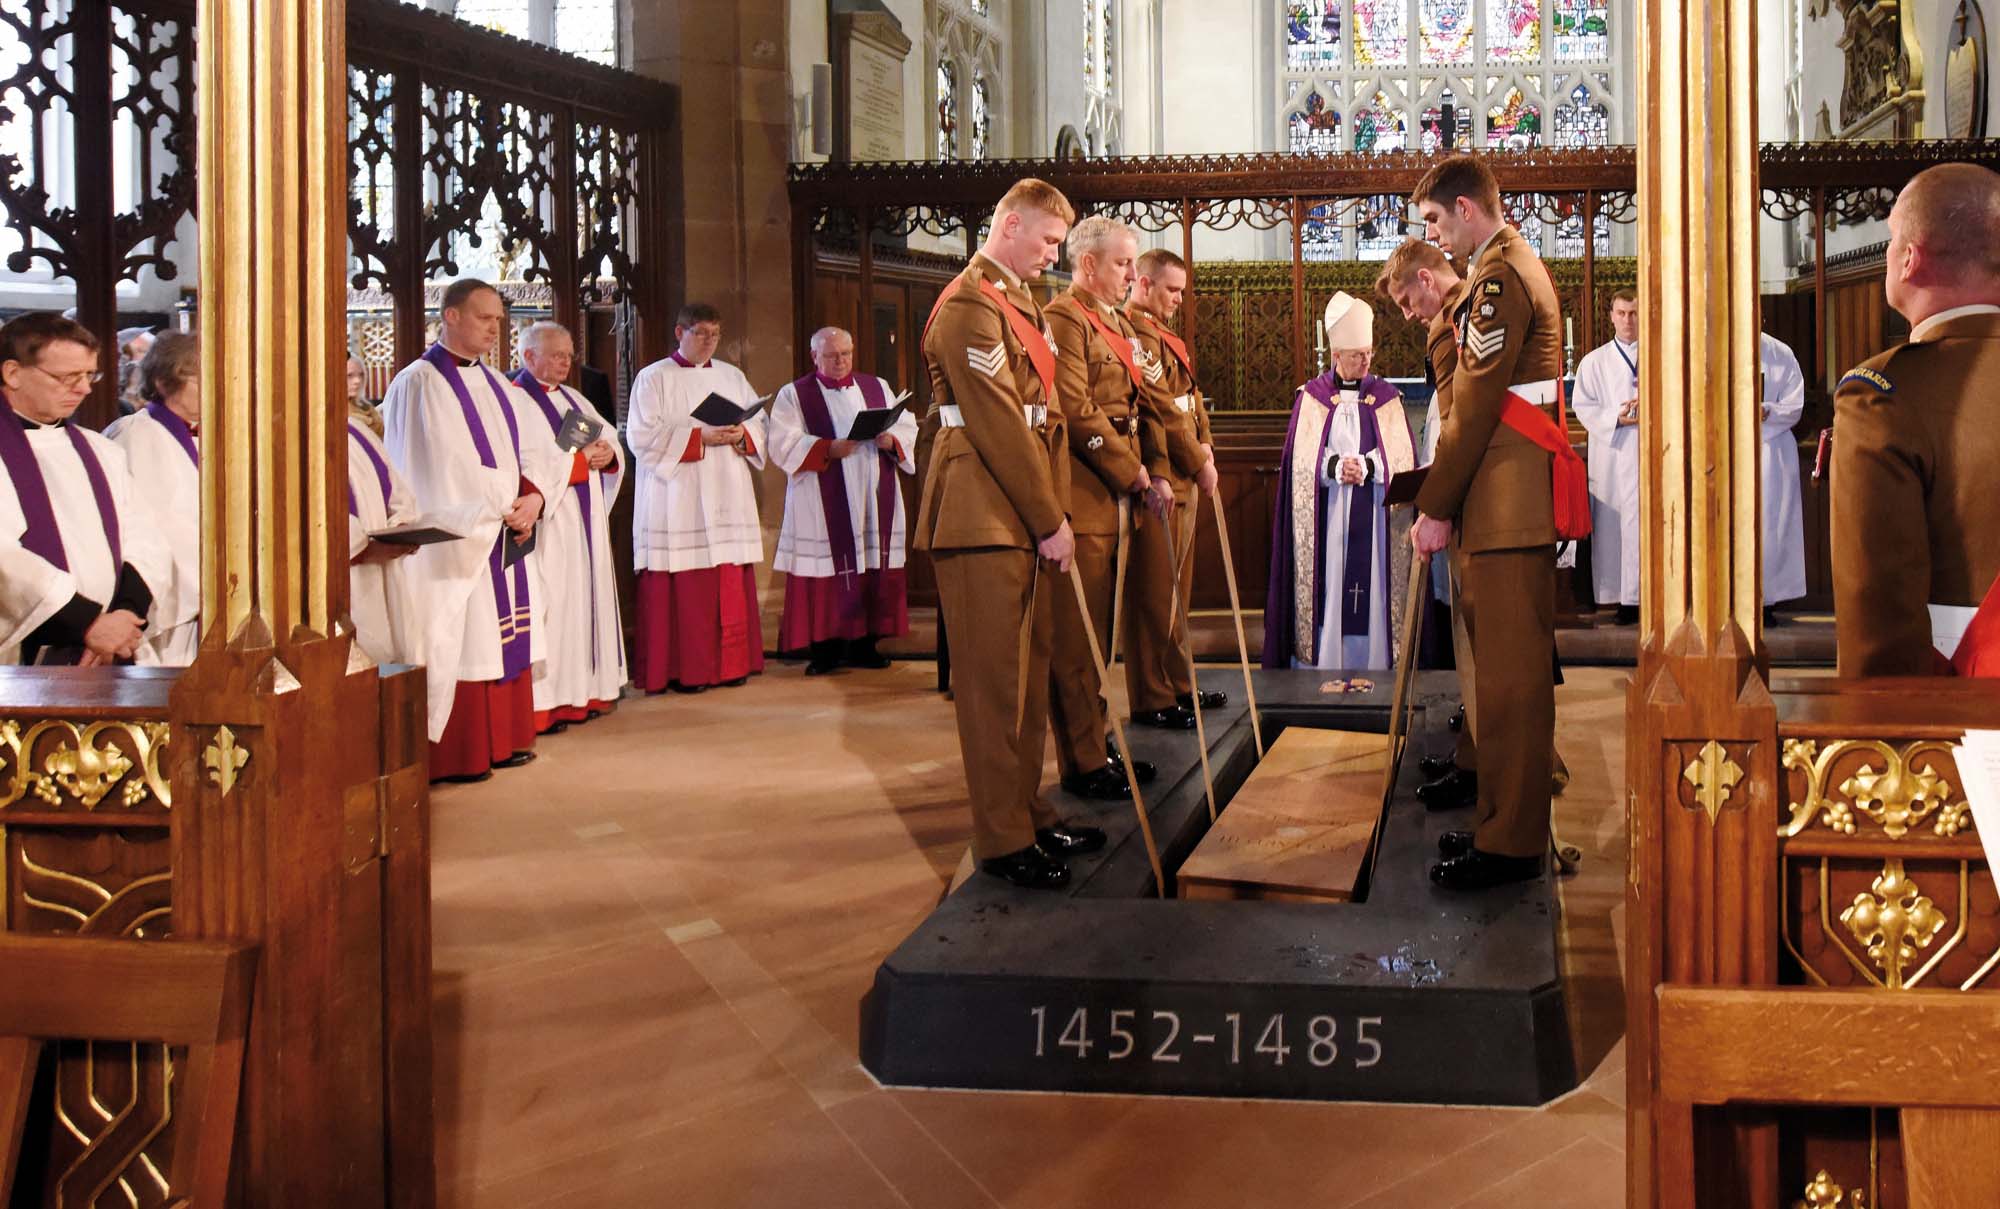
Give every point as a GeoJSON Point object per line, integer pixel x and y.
{"type": "Point", "coordinates": [1714, 777]}
{"type": "Point", "coordinates": [1899, 795]}
{"type": "Point", "coordinates": [224, 759]}
{"type": "Point", "coordinates": [1895, 921]}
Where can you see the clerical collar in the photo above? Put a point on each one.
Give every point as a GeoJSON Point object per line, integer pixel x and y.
{"type": "Point", "coordinates": [687, 364]}
{"type": "Point", "coordinates": [1353, 384]}
{"type": "Point", "coordinates": [461, 360]}
{"type": "Point", "coordinates": [1928, 328]}
{"type": "Point", "coordinates": [834, 383]}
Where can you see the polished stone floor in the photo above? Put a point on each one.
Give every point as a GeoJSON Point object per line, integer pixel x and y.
{"type": "Point", "coordinates": [651, 944]}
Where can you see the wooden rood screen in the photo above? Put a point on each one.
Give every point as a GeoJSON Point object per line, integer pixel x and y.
{"type": "Point", "coordinates": [458, 138]}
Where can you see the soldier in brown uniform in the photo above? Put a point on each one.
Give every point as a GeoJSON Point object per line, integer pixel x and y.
{"type": "Point", "coordinates": [1916, 502]}
{"type": "Point", "coordinates": [1113, 433]}
{"type": "Point", "coordinates": [1169, 367]}
{"type": "Point", "coordinates": [1489, 494]}
{"type": "Point", "coordinates": [992, 519]}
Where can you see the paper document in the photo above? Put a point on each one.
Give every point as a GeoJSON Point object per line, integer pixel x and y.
{"type": "Point", "coordinates": [1979, 775]}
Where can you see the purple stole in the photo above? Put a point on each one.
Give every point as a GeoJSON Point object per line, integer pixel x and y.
{"type": "Point", "coordinates": [833, 481]}
{"type": "Point", "coordinates": [42, 537]}
{"type": "Point", "coordinates": [589, 488]}
{"type": "Point", "coordinates": [512, 606]}
{"type": "Point", "coordinates": [176, 427]}
{"type": "Point", "coordinates": [1280, 621]}
{"type": "Point", "coordinates": [381, 470]}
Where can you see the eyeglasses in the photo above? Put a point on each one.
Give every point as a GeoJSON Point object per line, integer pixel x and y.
{"type": "Point", "coordinates": [82, 377]}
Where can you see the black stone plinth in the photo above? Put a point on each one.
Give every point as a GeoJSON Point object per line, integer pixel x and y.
{"type": "Point", "coordinates": [1410, 994]}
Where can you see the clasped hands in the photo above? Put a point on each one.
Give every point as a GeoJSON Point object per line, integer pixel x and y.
{"type": "Point", "coordinates": [729, 435]}
{"type": "Point", "coordinates": [1628, 415]}
{"type": "Point", "coordinates": [1351, 470]}
{"type": "Point", "coordinates": [522, 515]}
{"type": "Point", "coordinates": [838, 449]}
{"type": "Point", "coordinates": [599, 454]}
{"type": "Point", "coordinates": [113, 636]}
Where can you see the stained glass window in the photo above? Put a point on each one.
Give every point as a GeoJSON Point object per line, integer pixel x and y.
{"type": "Point", "coordinates": [1522, 210]}
{"type": "Point", "coordinates": [1378, 126]}
{"type": "Point", "coordinates": [1107, 44]}
{"type": "Point", "coordinates": [1569, 236]}
{"type": "Point", "coordinates": [1444, 31]}
{"type": "Point", "coordinates": [981, 8]}
{"type": "Point", "coordinates": [1315, 128]}
{"type": "Point", "coordinates": [982, 118]}
{"type": "Point", "coordinates": [1447, 125]}
{"type": "Point", "coordinates": [1312, 35]}
{"type": "Point", "coordinates": [1513, 123]}
{"type": "Point", "coordinates": [1380, 224]}
{"type": "Point", "coordinates": [1581, 121]}
{"type": "Point", "coordinates": [1321, 239]}
{"type": "Point", "coordinates": [588, 29]}
{"type": "Point", "coordinates": [1582, 30]}
{"type": "Point", "coordinates": [1513, 31]}
{"type": "Point", "coordinates": [1381, 36]}
{"type": "Point", "coordinates": [947, 110]}
{"type": "Point", "coordinates": [505, 16]}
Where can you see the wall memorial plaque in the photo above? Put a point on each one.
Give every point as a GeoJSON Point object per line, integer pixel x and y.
{"type": "Point", "coordinates": [868, 50]}
{"type": "Point", "coordinates": [1965, 74]}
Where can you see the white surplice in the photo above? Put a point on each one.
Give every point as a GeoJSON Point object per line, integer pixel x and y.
{"type": "Point", "coordinates": [383, 601]}
{"type": "Point", "coordinates": [689, 516]}
{"type": "Point", "coordinates": [1605, 381]}
{"type": "Point", "coordinates": [33, 589]}
{"type": "Point", "coordinates": [1784, 509]}
{"type": "Point", "coordinates": [1369, 649]}
{"type": "Point", "coordinates": [804, 546]}
{"type": "Point", "coordinates": [429, 441]}
{"type": "Point", "coordinates": [170, 482]}
{"type": "Point", "coordinates": [583, 640]}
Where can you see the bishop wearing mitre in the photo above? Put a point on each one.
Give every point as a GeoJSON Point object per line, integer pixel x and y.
{"type": "Point", "coordinates": [1328, 604]}
{"type": "Point", "coordinates": [76, 550]}
{"type": "Point", "coordinates": [841, 545]}
{"type": "Point", "coordinates": [696, 535]}
{"type": "Point", "coordinates": [163, 448]}
{"type": "Point", "coordinates": [583, 642]}
{"type": "Point", "coordinates": [466, 441]}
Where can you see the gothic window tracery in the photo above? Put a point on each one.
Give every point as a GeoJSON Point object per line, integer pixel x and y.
{"type": "Point", "coordinates": [968, 53]}
{"type": "Point", "coordinates": [1103, 115]}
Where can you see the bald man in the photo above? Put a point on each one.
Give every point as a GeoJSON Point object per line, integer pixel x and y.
{"type": "Point", "coordinates": [1916, 554]}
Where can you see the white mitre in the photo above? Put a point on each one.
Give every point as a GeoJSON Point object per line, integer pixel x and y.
{"type": "Point", "coordinates": [1350, 323]}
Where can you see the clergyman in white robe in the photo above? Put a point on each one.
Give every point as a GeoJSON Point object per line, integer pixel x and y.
{"type": "Point", "coordinates": [1607, 379]}
{"type": "Point", "coordinates": [382, 596]}
{"type": "Point", "coordinates": [696, 535]}
{"type": "Point", "coordinates": [583, 669]}
{"type": "Point", "coordinates": [466, 441]}
{"type": "Point", "coordinates": [1784, 508]}
{"type": "Point", "coordinates": [843, 591]}
{"type": "Point", "coordinates": [163, 453]}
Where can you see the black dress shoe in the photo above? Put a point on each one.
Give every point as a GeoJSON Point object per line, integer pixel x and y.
{"type": "Point", "coordinates": [1451, 791]}
{"type": "Point", "coordinates": [1068, 839]}
{"type": "Point", "coordinates": [1178, 717]}
{"type": "Point", "coordinates": [739, 682]}
{"type": "Point", "coordinates": [1435, 767]}
{"type": "Point", "coordinates": [689, 689]}
{"type": "Point", "coordinates": [1030, 868]}
{"type": "Point", "coordinates": [555, 728]}
{"type": "Point", "coordinates": [1142, 770]}
{"type": "Point", "coordinates": [1476, 870]}
{"type": "Point", "coordinates": [1455, 843]}
{"type": "Point", "coordinates": [516, 760]}
{"type": "Point", "coordinates": [1627, 615]}
{"type": "Point", "coordinates": [1209, 700]}
{"type": "Point", "coordinates": [820, 668]}
{"type": "Point", "coordinates": [861, 653]}
{"type": "Point", "coordinates": [1107, 784]}
{"type": "Point", "coordinates": [464, 778]}
{"type": "Point", "coordinates": [1457, 721]}
{"type": "Point", "coordinates": [1772, 618]}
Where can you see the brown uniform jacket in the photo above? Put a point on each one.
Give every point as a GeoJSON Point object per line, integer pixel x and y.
{"type": "Point", "coordinates": [1185, 431]}
{"type": "Point", "coordinates": [1441, 348]}
{"type": "Point", "coordinates": [1104, 414]}
{"type": "Point", "coordinates": [1491, 481]}
{"type": "Point", "coordinates": [1916, 500]}
{"type": "Point", "coordinates": [995, 481]}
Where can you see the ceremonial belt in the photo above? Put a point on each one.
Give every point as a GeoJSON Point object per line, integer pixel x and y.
{"type": "Point", "coordinates": [1033, 414]}
{"type": "Point", "coordinates": [1121, 346]}
{"type": "Point", "coordinates": [1570, 485]}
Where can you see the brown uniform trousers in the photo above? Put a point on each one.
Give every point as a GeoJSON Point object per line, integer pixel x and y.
{"type": "Point", "coordinates": [1441, 348]}
{"type": "Point", "coordinates": [1103, 418]}
{"type": "Point", "coordinates": [1916, 503]}
{"type": "Point", "coordinates": [1159, 582]}
{"type": "Point", "coordinates": [997, 477]}
{"type": "Point", "coordinates": [1494, 484]}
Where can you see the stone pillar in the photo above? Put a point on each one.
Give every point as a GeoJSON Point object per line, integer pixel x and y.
{"type": "Point", "coordinates": [1701, 749]}
{"type": "Point", "coordinates": [280, 727]}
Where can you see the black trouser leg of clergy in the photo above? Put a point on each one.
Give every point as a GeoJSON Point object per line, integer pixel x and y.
{"type": "Point", "coordinates": [1151, 649]}
{"type": "Point", "coordinates": [1509, 601]}
{"type": "Point", "coordinates": [985, 596]}
{"type": "Point", "coordinates": [1466, 751]}
{"type": "Point", "coordinates": [1076, 695]}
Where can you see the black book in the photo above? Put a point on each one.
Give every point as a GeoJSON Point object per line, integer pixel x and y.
{"type": "Point", "coordinates": [1403, 487]}
{"type": "Point", "coordinates": [414, 535]}
{"type": "Point", "coordinates": [875, 421]}
{"type": "Point", "coordinates": [719, 412]}
{"type": "Point", "coordinates": [512, 551]}
{"type": "Point", "coordinates": [577, 431]}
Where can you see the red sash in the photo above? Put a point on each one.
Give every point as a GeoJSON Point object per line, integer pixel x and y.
{"type": "Point", "coordinates": [1978, 652]}
{"type": "Point", "coordinates": [1120, 345]}
{"type": "Point", "coordinates": [1172, 342]}
{"type": "Point", "coordinates": [1571, 479]}
{"type": "Point", "coordinates": [1025, 331]}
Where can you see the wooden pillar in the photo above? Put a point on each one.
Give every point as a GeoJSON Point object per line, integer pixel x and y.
{"type": "Point", "coordinates": [1589, 306]}
{"type": "Point", "coordinates": [1822, 372]}
{"type": "Point", "coordinates": [1190, 210]}
{"type": "Point", "coordinates": [864, 320]}
{"type": "Point", "coordinates": [1701, 739]}
{"type": "Point", "coordinates": [406, 268]}
{"type": "Point", "coordinates": [1301, 323]}
{"type": "Point", "coordinates": [566, 276]}
{"type": "Point", "coordinates": [283, 733]}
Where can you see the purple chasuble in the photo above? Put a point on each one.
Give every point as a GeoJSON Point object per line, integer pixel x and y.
{"type": "Point", "coordinates": [833, 485]}
{"type": "Point", "coordinates": [588, 489]}
{"type": "Point", "coordinates": [42, 536]}
{"type": "Point", "coordinates": [511, 606]}
{"type": "Point", "coordinates": [1280, 616]}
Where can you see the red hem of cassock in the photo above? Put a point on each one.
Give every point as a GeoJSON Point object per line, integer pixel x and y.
{"type": "Point", "coordinates": [545, 718]}
{"type": "Point", "coordinates": [873, 604]}
{"type": "Point", "coordinates": [698, 627]}
{"type": "Point", "coordinates": [490, 721]}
